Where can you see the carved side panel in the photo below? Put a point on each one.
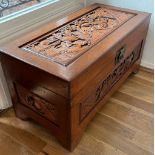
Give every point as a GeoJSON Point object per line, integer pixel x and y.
{"type": "Point", "coordinates": [68, 42]}
{"type": "Point", "coordinates": [105, 86]}
{"type": "Point", "coordinates": [37, 104]}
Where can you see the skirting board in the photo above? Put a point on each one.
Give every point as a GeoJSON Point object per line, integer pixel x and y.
{"type": "Point", "coordinates": [142, 68]}
{"type": "Point", "coordinates": [147, 65]}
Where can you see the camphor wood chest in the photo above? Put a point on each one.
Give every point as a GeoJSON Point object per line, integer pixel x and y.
{"type": "Point", "coordinates": [62, 73]}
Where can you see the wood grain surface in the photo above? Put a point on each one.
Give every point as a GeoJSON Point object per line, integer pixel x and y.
{"type": "Point", "coordinates": [124, 126]}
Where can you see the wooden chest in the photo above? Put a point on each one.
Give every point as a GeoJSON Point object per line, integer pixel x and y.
{"type": "Point", "coordinates": [62, 73]}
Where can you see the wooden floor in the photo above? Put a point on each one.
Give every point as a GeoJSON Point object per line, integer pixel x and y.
{"type": "Point", "coordinates": [124, 126]}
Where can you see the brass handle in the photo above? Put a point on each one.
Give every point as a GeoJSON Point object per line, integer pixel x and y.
{"type": "Point", "coordinates": [120, 55]}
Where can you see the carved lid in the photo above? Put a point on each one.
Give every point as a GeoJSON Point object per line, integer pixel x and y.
{"type": "Point", "coordinates": [67, 47]}
{"type": "Point", "coordinates": [68, 42]}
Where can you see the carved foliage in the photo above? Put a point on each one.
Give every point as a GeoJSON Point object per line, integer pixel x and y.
{"type": "Point", "coordinates": [105, 86]}
{"type": "Point", "coordinates": [68, 42]}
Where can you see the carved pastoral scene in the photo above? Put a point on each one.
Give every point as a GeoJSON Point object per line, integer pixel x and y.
{"type": "Point", "coordinates": [68, 42]}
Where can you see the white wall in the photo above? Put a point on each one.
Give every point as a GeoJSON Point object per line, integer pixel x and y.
{"type": "Point", "coordinates": [141, 5]}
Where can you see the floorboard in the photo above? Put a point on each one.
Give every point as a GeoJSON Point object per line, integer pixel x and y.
{"type": "Point", "coordinates": [124, 126]}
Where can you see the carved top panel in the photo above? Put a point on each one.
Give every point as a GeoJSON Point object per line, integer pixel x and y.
{"type": "Point", "coordinates": [68, 42]}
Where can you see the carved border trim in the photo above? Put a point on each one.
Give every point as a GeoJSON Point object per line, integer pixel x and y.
{"type": "Point", "coordinates": [68, 42]}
